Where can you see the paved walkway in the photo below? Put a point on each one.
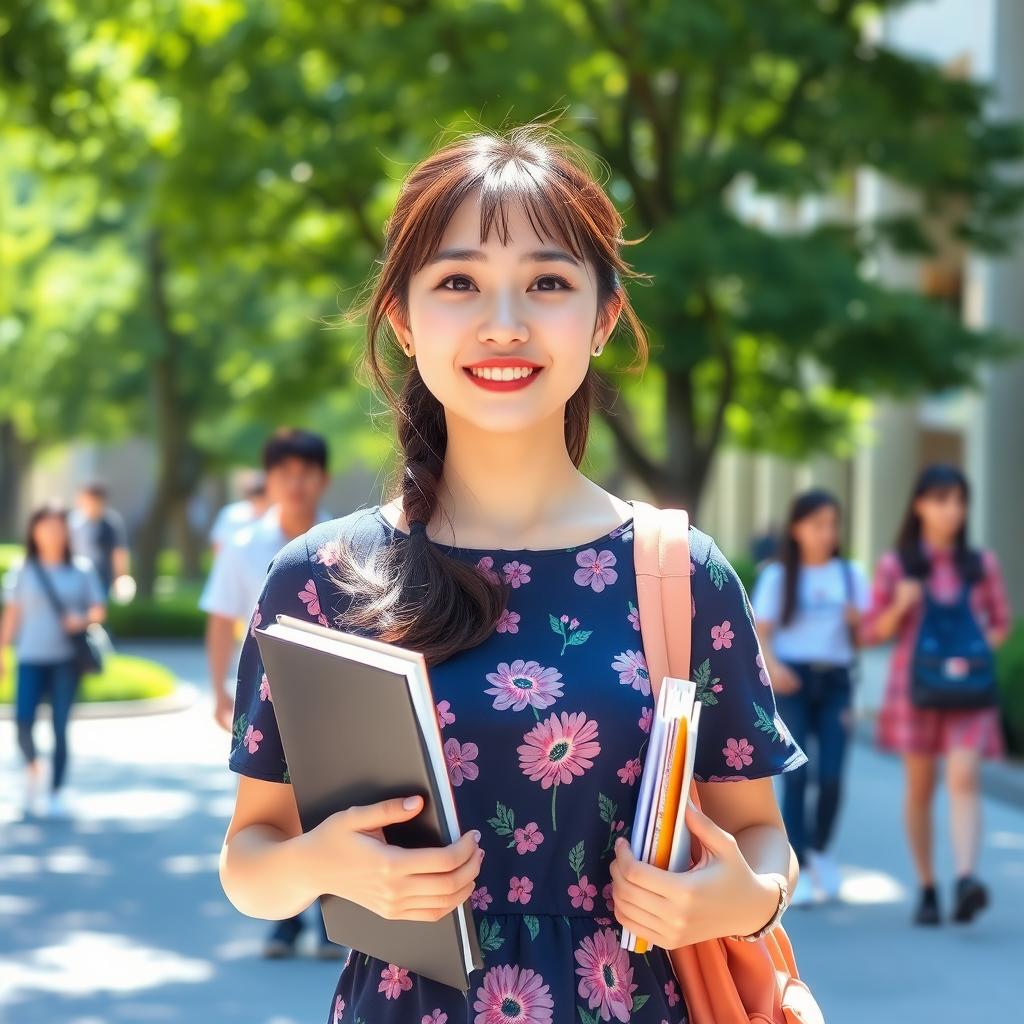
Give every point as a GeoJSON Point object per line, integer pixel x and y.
{"type": "Point", "coordinates": [118, 916]}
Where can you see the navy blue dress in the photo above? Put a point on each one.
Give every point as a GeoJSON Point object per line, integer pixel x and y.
{"type": "Point", "coordinates": [545, 727]}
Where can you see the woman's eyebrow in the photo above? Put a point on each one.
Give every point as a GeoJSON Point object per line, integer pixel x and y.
{"type": "Point", "coordinates": [478, 256]}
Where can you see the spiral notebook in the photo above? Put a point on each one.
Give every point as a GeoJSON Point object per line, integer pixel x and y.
{"type": "Point", "coordinates": [358, 725]}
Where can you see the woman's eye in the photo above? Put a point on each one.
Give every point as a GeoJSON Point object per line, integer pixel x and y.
{"type": "Point", "coordinates": [457, 283]}
{"type": "Point", "coordinates": [551, 283]}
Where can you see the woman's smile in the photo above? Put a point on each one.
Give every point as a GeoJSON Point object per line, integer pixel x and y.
{"type": "Point", "coordinates": [503, 374]}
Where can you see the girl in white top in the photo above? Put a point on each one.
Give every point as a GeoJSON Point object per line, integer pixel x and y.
{"type": "Point", "coordinates": [807, 606]}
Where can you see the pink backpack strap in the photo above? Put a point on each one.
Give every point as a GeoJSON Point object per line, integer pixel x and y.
{"type": "Point", "coordinates": [661, 554]}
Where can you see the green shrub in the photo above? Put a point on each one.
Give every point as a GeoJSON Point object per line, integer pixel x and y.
{"type": "Point", "coordinates": [123, 678]}
{"type": "Point", "coordinates": [172, 615]}
{"type": "Point", "coordinates": [1010, 662]}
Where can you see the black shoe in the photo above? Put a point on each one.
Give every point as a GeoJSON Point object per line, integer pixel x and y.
{"type": "Point", "coordinates": [971, 898]}
{"type": "Point", "coordinates": [281, 941]}
{"type": "Point", "coordinates": [928, 907]}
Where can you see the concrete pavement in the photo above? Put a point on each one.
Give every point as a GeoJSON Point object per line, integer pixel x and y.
{"type": "Point", "coordinates": [118, 915]}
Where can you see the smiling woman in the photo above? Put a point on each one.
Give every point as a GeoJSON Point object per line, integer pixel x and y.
{"type": "Point", "coordinates": [514, 575]}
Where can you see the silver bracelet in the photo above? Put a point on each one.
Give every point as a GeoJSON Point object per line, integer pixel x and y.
{"type": "Point", "coordinates": [783, 884]}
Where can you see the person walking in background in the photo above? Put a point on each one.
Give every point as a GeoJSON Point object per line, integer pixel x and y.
{"type": "Point", "coordinates": [295, 467]}
{"type": "Point", "coordinates": [49, 597]}
{"type": "Point", "coordinates": [807, 605]}
{"type": "Point", "coordinates": [98, 534]}
{"type": "Point", "coordinates": [239, 514]}
{"type": "Point", "coordinates": [934, 587]}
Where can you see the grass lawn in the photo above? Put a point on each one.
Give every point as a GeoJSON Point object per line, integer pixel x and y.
{"type": "Point", "coordinates": [124, 678]}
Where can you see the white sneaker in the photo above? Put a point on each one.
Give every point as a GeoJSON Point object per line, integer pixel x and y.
{"type": "Point", "coordinates": [804, 895]}
{"type": "Point", "coordinates": [30, 804]}
{"type": "Point", "coordinates": [57, 807]}
{"type": "Point", "coordinates": [825, 872]}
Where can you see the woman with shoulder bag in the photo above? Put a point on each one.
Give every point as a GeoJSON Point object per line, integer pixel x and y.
{"type": "Point", "coordinates": [945, 604]}
{"type": "Point", "coordinates": [50, 601]}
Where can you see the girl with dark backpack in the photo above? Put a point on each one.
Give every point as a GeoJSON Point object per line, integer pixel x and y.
{"type": "Point", "coordinates": [945, 604]}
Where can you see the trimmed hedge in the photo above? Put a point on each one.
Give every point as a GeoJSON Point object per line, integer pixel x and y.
{"type": "Point", "coordinates": [174, 616]}
{"type": "Point", "coordinates": [124, 677]}
{"type": "Point", "coordinates": [1010, 662]}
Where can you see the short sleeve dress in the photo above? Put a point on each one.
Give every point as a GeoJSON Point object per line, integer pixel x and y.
{"type": "Point", "coordinates": [545, 727]}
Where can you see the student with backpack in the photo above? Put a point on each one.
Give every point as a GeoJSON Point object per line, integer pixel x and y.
{"type": "Point", "coordinates": [807, 605]}
{"type": "Point", "coordinates": [945, 605]}
{"type": "Point", "coordinates": [501, 281]}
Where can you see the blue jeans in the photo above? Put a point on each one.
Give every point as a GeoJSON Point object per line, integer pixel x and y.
{"type": "Point", "coordinates": [60, 681]}
{"type": "Point", "coordinates": [818, 710]}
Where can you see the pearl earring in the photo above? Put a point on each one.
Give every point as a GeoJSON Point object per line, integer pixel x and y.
{"type": "Point", "coordinates": [598, 350]}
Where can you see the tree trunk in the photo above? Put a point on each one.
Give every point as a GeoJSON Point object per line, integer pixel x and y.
{"type": "Point", "coordinates": [15, 461]}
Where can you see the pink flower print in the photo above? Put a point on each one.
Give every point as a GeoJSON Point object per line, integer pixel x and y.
{"type": "Point", "coordinates": [559, 749]}
{"type": "Point", "coordinates": [724, 778]}
{"type": "Point", "coordinates": [253, 738]}
{"type": "Point", "coordinates": [630, 773]}
{"type": "Point", "coordinates": [322, 619]}
{"type": "Point", "coordinates": [717, 688]}
{"type": "Point", "coordinates": [604, 922]}
{"type": "Point", "coordinates": [444, 714]}
{"type": "Point", "coordinates": [394, 981]}
{"type": "Point", "coordinates": [582, 895]}
{"type": "Point", "coordinates": [327, 554]}
{"type": "Point", "coordinates": [646, 717]}
{"type": "Point", "coordinates": [524, 683]}
{"type": "Point", "coordinates": [486, 566]}
{"type": "Point", "coordinates": [519, 889]}
{"type": "Point", "coordinates": [632, 669]}
{"type": "Point", "coordinates": [435, 1017]}
{"type": "Point", "coordinates": [265, 689]}
{"type": "Point", "coordinates": [512, 994]}
{"type": "Point", "coordinates": [563, 619]}
{"type": "Point", "coordinates": [634, 616]}
{"type": "Point", "coordinates": [606, 895]}
{"type": "Point", "coordinates": [516, 574]}
{"type": "Point", "coordinates": [606, 978]}
{"type": "Point", "coordinates": [574, 623]}
{"type": "Point", "coordinates": [308, 597]}
{"type": "Point", "coordinates": [595, 570]}
{"type": "Point", "coordinates": [480, 899]}
{"type": "Point", "coordinates": [722, 636]}
{"type": "Point", "coordinates": [257, 618]}
{"type": "Point", "coordinates": [738, 753]}
{"type": "Point", "coordinates": [762, 672]}
{"type": "Point", "coordinates": [671, 993]}
{"type": "Point", "coordinates": [527, 839]}
{"type": "Point", "coordinates": [508, 622]}
{"type": "Point", "coordinates": [461, 759]}
{"type": "Point", "coordinates": [339, 1009]}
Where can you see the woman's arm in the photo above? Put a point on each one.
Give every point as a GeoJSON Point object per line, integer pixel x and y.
{"type": "Point", "coordinates": [8, 630]}
{"type": "Point", "coordinates": [997, 603]}
{"type": "Point", "coordinates": [892, 597]}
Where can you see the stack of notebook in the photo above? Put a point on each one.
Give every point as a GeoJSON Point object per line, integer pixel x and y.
{"type": "Point", "coordinates": [660, 836]}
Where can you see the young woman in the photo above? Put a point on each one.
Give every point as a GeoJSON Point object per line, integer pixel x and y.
{"type": "Point", "coordinates": [807, 605]}
{"type": "Point", "coordinates": [932, 554]}
{"type": "Point", "coordinates": [501, 282]}
{"type": "Point", "coordinates": [42, 645]}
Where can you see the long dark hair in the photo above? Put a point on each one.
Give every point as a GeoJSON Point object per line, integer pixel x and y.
{"type": "Point", "coordinates": [48, 510]}
{"type": "Point", "coordinates": [803, 505]}
{"type": "Point", "coordinates": [413, 592]}
{"type": "Point", "coordinates": [939, 478]}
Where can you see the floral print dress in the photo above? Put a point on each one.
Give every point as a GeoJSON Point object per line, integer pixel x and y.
{"type": "Point", "coordinates": [545, 728]}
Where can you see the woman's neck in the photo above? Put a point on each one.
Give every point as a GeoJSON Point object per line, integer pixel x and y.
{"type": "Point", "coordinates": [813, 560]}
{"type": "Point", "coordinates": [505, 490]}
{"type": "Point", "coordinates": [937, 542]}
{"type": "Point", "coordinates": [50, 557]}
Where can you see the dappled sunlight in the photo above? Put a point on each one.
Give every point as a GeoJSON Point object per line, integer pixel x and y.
{"type": "Point", "coordinates": [869, 886]}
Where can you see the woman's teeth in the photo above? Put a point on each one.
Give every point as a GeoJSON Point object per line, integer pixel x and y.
{"type": "Point", "coordinates": [502, 372]}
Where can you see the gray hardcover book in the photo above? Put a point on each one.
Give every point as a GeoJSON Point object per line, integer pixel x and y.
{"type": "Point", "coordinates": [358, 725]}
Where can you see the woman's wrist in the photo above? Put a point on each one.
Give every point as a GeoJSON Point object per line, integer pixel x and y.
{"type": "Point", "coordinates": [769, 892]}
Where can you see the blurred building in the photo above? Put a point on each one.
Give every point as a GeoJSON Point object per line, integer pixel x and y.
{"type": "Point", "coordinates": [982, 431]}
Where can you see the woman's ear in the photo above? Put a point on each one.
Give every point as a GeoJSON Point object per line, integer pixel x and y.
{"type": "Point", "coordinates": [401, 331]}
{"type": "Point", "coordinates": [607, 318]}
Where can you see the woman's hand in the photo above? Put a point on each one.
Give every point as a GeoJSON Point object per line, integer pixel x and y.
{"type": "Point", "coordinates": [350, 857]}
{"type": "Point", "coordinates": [908, 594]}
{"type": "Point", "coordinates": [721, 895]}
{"type": "Point", "coordinates": [785, 681]}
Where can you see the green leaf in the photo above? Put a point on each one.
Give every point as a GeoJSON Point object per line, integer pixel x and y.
{"type": "Point", "coordinates": [764, 721]}
{"type": "Point", "coordinates": [608, 807]}
{"type": "Point", "coordinates": [532, 925]}
{"type": "Point", "coordinates": [580, 637]}
{"type": "Point", "coordinates": [585, 1017]}
{"type": "Point", "coordinates": [718, 573]}
{"type": "Point", "coordinates": [576, 857]}
{"type": "Point", "coordinates": [638, 1002]}
{"type": "Point", "coordinates": [556, 624]}
{"type": "Point", "coordinates": [241, 724]}
{"type": "Point", "coordinates": [504, 822]}
{"type": "Point", "coordinates": [490, 935]}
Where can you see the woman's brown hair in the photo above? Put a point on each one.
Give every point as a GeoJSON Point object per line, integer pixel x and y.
{"type": "Point", "coordinates": [52, 509]}
{"type": "Point", "coordinates": [412, 592]}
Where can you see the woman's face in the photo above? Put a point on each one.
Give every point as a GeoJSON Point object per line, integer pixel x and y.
{"type": "Point", "coordinates": [502, 334]}
{"type": "Point", "coordinates": [942, 514]}
{"type": "Point", "coordinates": [817, 534]}
{"type": "Point", "coordinates": [51, 536]}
